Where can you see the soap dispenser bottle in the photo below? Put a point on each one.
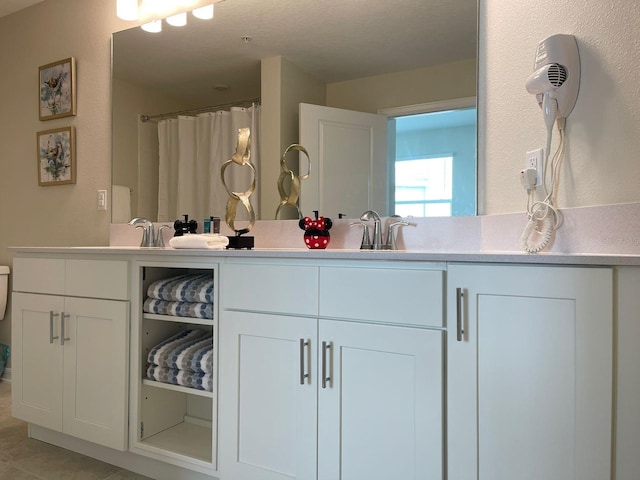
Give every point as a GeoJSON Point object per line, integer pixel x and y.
{"type": "Point", "coordinates": [316, 231]}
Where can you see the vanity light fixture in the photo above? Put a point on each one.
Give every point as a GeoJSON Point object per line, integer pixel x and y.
{"type": "Point", "coordinates": [179, 20]}
{"type": "Point", "coordinates": [152, 12]}
{"type": "Point", "coordinates": [203, 13]}
{"type": "Point", "coordinates": [127, 9]}
{"type": "Point", "coordinates": [154, 26]}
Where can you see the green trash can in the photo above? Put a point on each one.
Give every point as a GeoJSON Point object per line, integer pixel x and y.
{"type": "Point", "coordinates": [4, 356]}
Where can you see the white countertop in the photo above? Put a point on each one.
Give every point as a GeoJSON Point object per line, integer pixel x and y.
{"type": "Point", "coordinates": [350, 254]}
{"type": "Point", "coordinates": [606, 235]}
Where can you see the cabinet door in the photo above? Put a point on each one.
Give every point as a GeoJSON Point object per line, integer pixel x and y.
{"type": "Point", "coordinates": [380, 413]}
{"type": "Point", "coordinates": [95, 370]}
{"type": "Point", "coordinates": [530, 378]}
{"type": "Point", "coordinates": [37, 359]}
{"type": "Point", "coordinates": [268, 407]}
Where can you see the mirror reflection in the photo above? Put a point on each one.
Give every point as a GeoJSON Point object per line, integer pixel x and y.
{"type": "Point", "coordinates": [392, 59]}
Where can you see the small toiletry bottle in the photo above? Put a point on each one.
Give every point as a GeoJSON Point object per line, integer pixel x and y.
{"type": "Point", "coordinates": [206, 226]}
{"type": "Point", "coordinates": [215, 224]}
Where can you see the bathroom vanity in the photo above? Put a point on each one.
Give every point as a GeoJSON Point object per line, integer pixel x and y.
{"type": "Point", "coordinates": [71, 333]}
{"type": "Point", "coordinates": [337, 364]}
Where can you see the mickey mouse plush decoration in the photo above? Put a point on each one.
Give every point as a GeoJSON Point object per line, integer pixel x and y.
{"type": "Point", "coordinates": [316, 232]}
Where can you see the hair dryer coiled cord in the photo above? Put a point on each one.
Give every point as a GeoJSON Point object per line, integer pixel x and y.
{"type": "Point", "coordinates": [544, 217]}
{"type": "Point", "coordinates": [538, 232]}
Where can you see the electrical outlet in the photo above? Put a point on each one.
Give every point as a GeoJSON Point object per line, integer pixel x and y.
{"type": "Point", "coordinates": [535, 160]}
{"type": "Point", "coordinates": [102, 199]}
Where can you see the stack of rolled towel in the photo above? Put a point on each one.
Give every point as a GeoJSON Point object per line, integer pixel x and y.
{"type": "Point", "coordinates": [185, 359]}
{"type": "Point", "coordinates": [189, 295]}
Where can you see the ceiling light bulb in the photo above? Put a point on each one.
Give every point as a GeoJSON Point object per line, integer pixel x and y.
{"type": "Point", "coordinates": [127, 9]}
{"type": "Point", "coordinates": [204, 13]}
{"type": "Point", "coordinates": [179, 20]}
{"type": "Point", "coordinates": [153, 27]}
{"type": "Point", "coordinates": [157, 7]}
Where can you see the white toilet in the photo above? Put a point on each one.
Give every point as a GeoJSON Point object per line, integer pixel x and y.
{"type": "Point", "coordinates": [4, 287]}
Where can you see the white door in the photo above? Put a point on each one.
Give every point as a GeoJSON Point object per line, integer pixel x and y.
{"type": "Point", "coordinates": [348, 154]}
{"type": "Point", "coordinates": [268, 407]}
{"type": "Point", "coordinates": [37, 358]}
{"type": "Point", "coordinates": [380, 411]}
{"type": "Point", "coordinates": [96, 371]}
{"type": "Point", "coordinates": [529, 375]}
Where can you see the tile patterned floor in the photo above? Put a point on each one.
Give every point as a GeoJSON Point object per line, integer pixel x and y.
{"type": "Point", "coordinates": [22, 458]}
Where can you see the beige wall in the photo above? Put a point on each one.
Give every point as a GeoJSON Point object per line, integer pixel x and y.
{"type": "Point", "coordinates": [412, 87]}
{"type": "Point", "coordinates": [283, 87]}
{"type": "Point", "coordinates": [67, 214]}
{"type": "Point", "coordinates": [603, 143]}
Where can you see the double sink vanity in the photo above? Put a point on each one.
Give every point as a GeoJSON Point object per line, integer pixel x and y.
{"type": "Point", "coordinates": [337, 364]}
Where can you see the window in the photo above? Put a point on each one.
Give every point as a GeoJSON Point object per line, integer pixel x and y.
{"type": "Point", "coordinates": [432, 159]}
{"type": "Point", "coordinates": [424, 187]}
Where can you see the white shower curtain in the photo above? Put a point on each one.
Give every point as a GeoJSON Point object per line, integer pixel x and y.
{"type": "Point", "coordinates": [192, 151]}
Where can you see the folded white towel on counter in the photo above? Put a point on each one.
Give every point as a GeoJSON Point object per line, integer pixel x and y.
{"type": "Point", "coordinates": [197, 240]}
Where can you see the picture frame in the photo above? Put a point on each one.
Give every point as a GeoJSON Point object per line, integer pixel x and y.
{"type": "Point", "coordinates": [56, 156]}
{"type": "Point", "coordinates": [57, 89]}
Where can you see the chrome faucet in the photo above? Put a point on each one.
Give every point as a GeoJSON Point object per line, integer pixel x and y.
{"type": "Point", "coordinates": [159, 237]}
{"type": "Point", "coordinates": [376, 243]}
{"type": "Point", "coordinates": [148, 237]}
{"type": "Point", "coordinates": [365, 244]}
{"type": "Point", "coordinates": [390, 243]}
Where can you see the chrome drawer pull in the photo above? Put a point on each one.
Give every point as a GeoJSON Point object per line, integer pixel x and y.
{"type": "Point", "coordinates": [62, 337]}
{"type": "Point", "coordinates": [52, 315]}
{"type": "Point", "coordinates": [303, 374]}
{"type": "Point", "coordinates": [325, 378]}
{"type": "Point", "coordinates": [459, 329]}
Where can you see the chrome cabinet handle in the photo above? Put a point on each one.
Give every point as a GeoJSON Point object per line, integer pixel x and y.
{"type": "Point", "coordinates": [303, 374]}
{"type": "Point", "coordinates": [52, 315]}
{"type": "Point", "coordinates": [62, 337]}
{"type": "Point", "coordinates": [459, 328]}
{"type": "Point", "coordinates": [325, 378]}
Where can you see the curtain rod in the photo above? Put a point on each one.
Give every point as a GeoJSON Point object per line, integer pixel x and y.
{"type": "Point", "coordinates": [211, 108]}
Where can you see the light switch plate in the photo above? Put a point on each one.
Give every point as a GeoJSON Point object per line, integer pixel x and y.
{"type": "Point", "coordinates": [102, 199]}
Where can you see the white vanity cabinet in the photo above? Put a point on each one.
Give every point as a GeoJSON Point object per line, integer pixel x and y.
{"type": "Point", "coordinates": [268, 408]}
{"type": "Point", "coordinates": [268, 340]}
{"type": "Point", "coordinates": [529, 372]}
{"type": "Point", "coordinates": [335, 368]}
{"type": "Point", "coordinates": [70, 337]}
{"type": "Point", "coordinates": [380, 402]}
{"type": "Point", "coordinates": [315, 383]}
{"type": "Point", "coordinates": [380, 371]}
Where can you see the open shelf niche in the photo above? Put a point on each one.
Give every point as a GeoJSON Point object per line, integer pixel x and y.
{"type": "Point", "coordinates": [175, 422]}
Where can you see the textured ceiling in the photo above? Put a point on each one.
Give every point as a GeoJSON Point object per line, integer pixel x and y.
{"type": "Point", "coordinates": [333, 40]}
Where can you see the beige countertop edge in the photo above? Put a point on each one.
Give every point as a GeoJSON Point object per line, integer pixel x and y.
{"type": "Point", "coordinates": [337, 254]}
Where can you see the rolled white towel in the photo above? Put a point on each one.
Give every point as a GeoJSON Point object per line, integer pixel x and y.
{"type": "Point", "coordinates": [196, 240]}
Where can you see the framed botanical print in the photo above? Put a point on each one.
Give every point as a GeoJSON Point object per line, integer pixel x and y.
{"type": "Point", "coordinates": [57, 84]}
{"type": "Point", "coordinates": [57, 156]}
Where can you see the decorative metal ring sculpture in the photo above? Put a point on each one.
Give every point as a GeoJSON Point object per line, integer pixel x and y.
{"type": "Point", "coordinates": [242, 157]}
{"type": "Point", "coordinates": [291, 199]}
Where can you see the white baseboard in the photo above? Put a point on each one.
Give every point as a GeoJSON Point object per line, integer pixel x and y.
{"type": "Point", "coordinates": [143, 465]}
{"type": "Point", "coordinates": [6, 375]}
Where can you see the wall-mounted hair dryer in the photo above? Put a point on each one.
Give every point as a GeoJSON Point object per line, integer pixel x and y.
{"type": "Point", "coordinates": [555, 80]}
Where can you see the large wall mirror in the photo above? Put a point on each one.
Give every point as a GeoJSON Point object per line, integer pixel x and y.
{"type": "Point", "coordinates": [375, 56]}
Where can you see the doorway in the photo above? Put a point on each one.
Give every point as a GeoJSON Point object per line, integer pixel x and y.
{"type": "Point", "coordinates": [432, 159]}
